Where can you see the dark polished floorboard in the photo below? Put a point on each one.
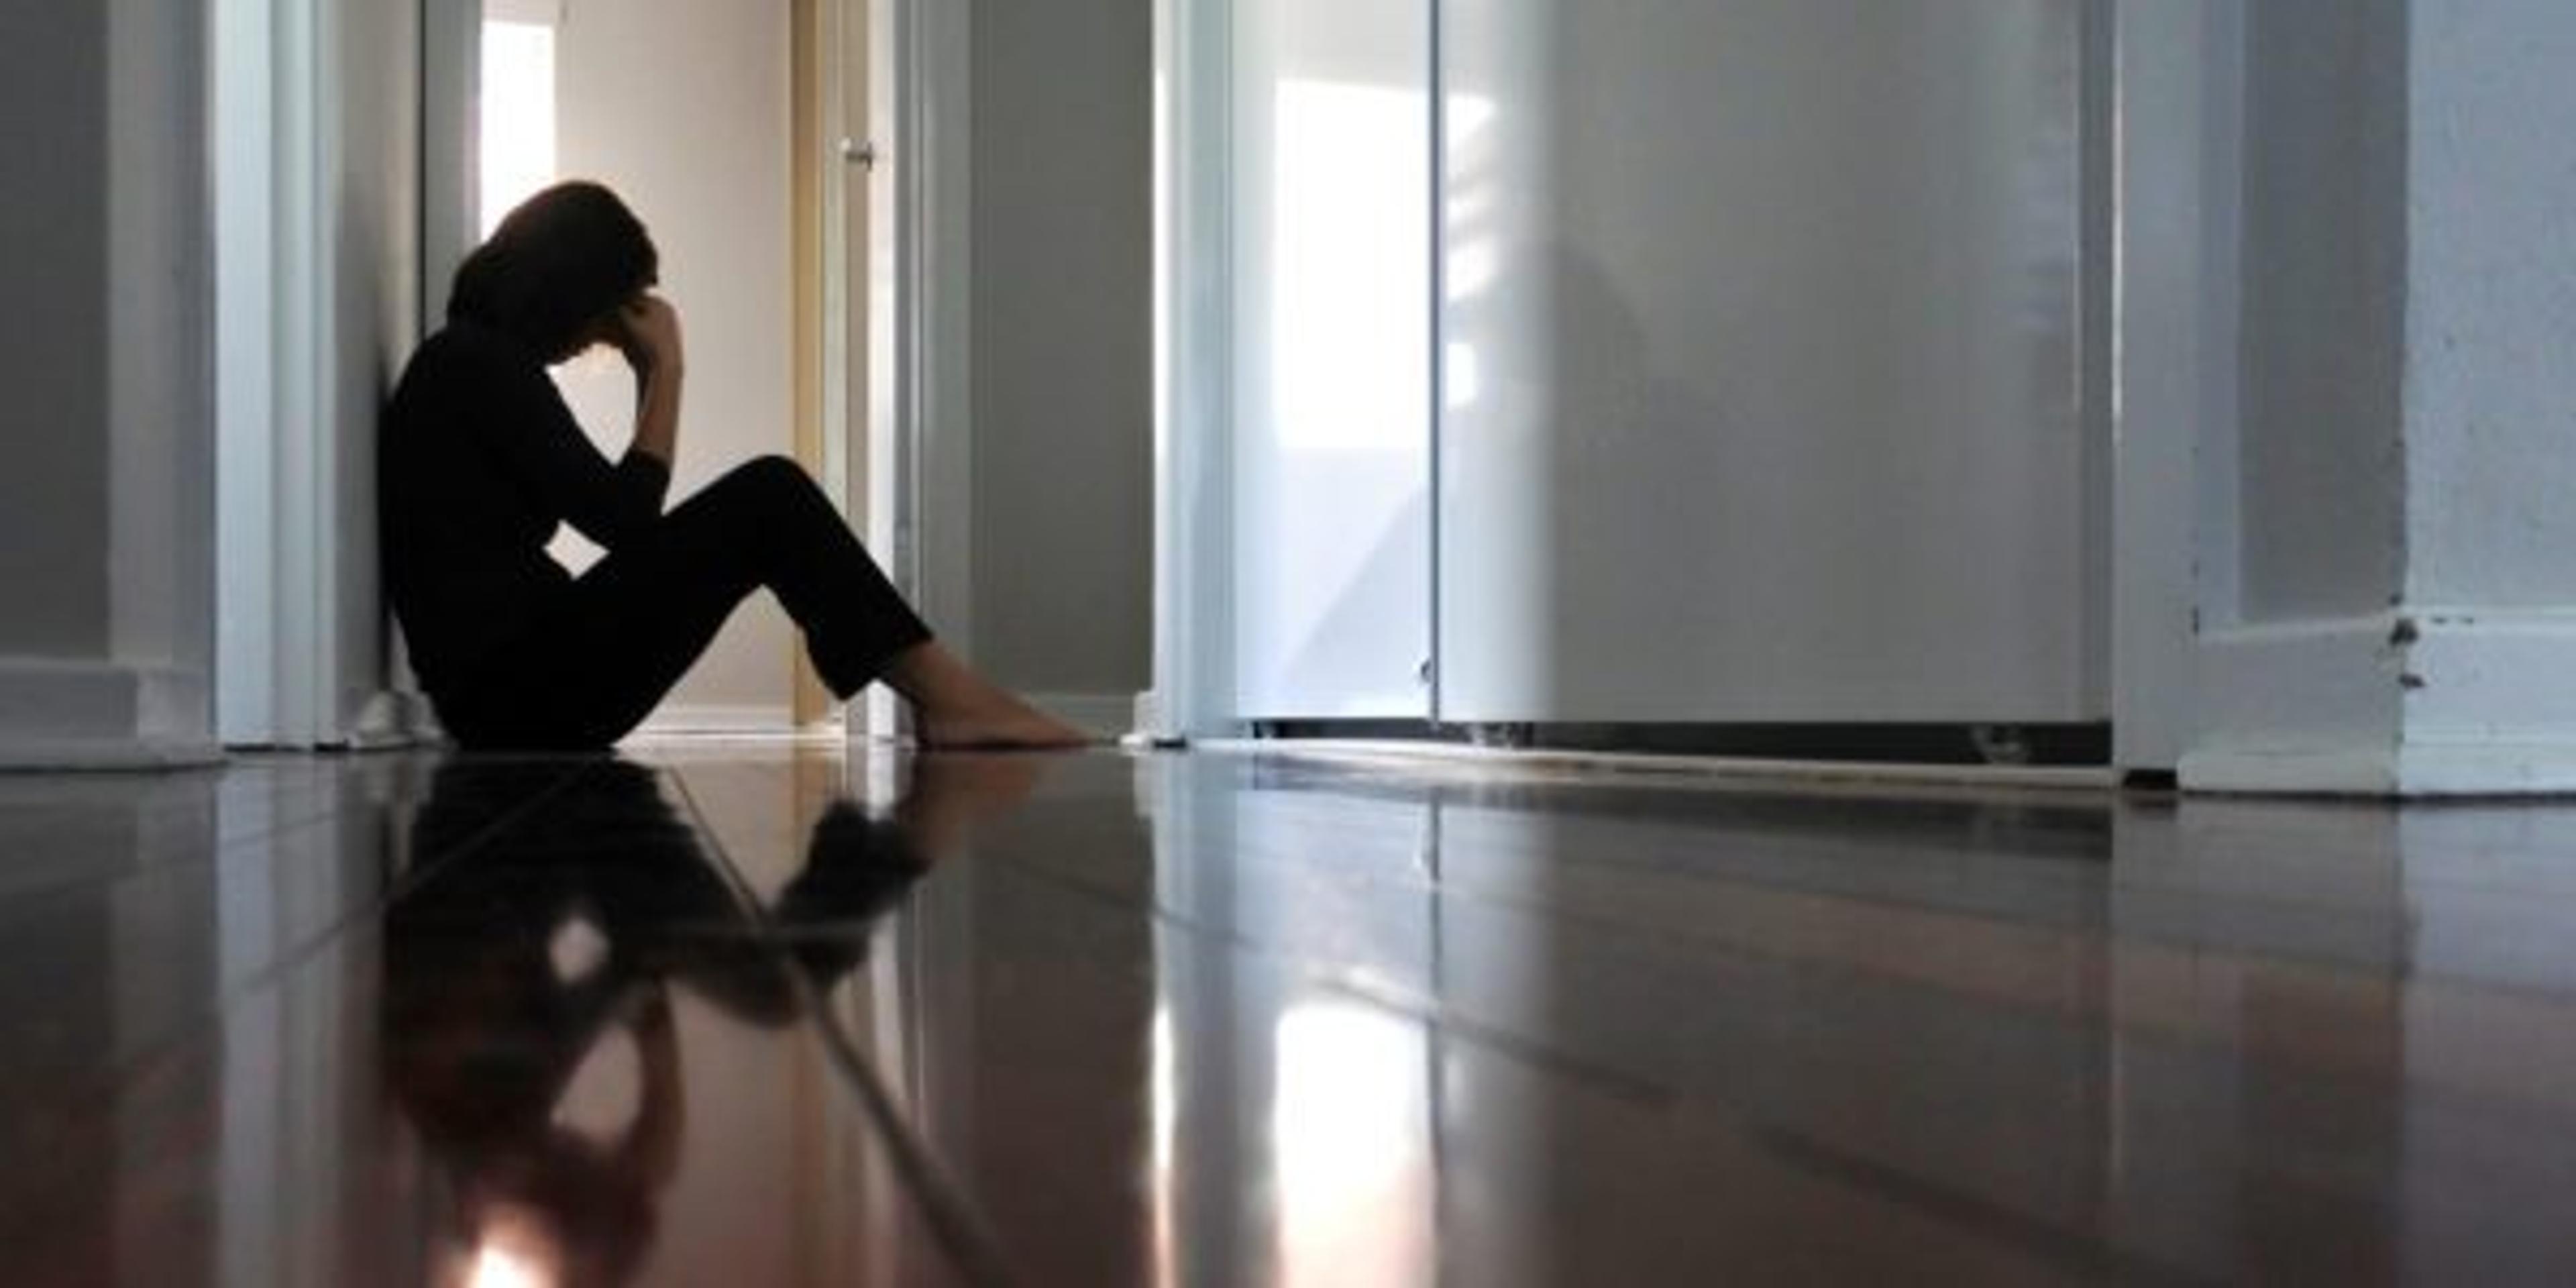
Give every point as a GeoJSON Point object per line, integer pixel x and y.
{"type": "Point", "coordinates": [744, 1014]}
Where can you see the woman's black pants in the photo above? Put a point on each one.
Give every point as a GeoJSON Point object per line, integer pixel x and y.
{"type": "Point", "coordinates": [593, 664]}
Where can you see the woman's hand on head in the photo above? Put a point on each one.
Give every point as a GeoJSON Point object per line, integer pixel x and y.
{"type": "Point", "coordinates": [648, 333]}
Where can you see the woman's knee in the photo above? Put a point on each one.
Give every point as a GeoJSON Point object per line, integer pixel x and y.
{"type": "Point", "coordinates": [770, 472]}
{"type": "Point", "coordinates": [769, 481]}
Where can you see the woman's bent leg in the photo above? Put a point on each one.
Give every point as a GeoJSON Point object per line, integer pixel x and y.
{"type": "Point", "coordinates": [612, 646]}
{"type": "Point", "coordinates": [770, 519]}
{"type": "Point", "coordinates": [857, 626]}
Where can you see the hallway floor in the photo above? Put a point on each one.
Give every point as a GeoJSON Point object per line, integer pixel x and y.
{"type": "Point", "coordinates": [745, 1014]}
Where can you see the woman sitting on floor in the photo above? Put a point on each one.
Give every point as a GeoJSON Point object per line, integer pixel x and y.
{"type": "Point", "coordinates": [481, 459]}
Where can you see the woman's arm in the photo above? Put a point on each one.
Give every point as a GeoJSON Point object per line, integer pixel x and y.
{"type": "Point", "coordinates": [648, 333]}
{"type": "Point", "coordinates": [522, 416]}
{"type": "Point", "coordinates": [557, 463]}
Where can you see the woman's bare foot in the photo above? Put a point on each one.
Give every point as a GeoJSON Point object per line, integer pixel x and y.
{"type": "Point", "coordinates": [952, 706]}
{"type": "Point", "coordinates": [1015, 724]}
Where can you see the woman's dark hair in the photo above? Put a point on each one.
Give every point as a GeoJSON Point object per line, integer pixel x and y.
{"type": "Point", "coordinates": [565, 258]}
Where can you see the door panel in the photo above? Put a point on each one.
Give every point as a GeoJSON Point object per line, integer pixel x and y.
{"type": "Point", "coordinates": [1761, 362]}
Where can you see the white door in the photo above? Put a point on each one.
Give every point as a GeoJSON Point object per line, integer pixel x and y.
{"type": "Point", "coordinates": [1762, 363]}
{"type": "Point", "coordinates": [1740, 376]}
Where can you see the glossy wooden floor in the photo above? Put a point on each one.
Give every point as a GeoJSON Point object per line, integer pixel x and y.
{"type": "Point", "coordinates": [744, 1015]}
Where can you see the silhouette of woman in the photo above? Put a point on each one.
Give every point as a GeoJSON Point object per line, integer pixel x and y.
{"type": "Point", "coordinates": [486, 1026]}
{"type": "Point", "coordinates": [481, 460]}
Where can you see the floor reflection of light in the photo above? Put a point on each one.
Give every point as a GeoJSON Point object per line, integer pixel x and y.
{"type": "Point", "coordinates": [1163, 1106]}
{"type": "Point", "coordinates": [1349, 1130]}
{"type": "Point", "coordinates": [577, 949]}
{"type": "Point", "coordinates": [1165, 1109]}
{"type": "Point", "coordinates": [496, 1266]}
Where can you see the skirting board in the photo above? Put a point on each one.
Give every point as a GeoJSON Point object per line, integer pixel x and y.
{"type": "Point", "coordinates": [1106, 716]}
{"type": "Point", "coordinates": [98, 716]}
{"type": "Point", "coordinates": [2410, 703]}
{"type": "Point", "coordinates": [709, 718]}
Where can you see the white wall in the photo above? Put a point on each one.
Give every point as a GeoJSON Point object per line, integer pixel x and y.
{"type": "Point", "coordinates": [53, 496]}
{"type": "Point", "coordinates": [107, 644]}
{"type": "Point", "coordinates": [160, 360]}
{"type": "Point", "coordinates": [2491, 402]}
{"type": "Point", "coordinates": [1063, 345]}
{"type": "Point", "coordinates": [683, 107]}
{"type": "Point", "coordinates": [2325, 234]}
{"type": "Point", "coordinates": [2407, 616]}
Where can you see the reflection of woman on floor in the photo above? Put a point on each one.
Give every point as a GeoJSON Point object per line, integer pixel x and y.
{"type": "Point", "coordinates": [493, 1006]}
{"type": "Point", "coordinates": [481, 460]}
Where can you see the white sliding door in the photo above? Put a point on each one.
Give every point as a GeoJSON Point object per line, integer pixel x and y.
{"type": "Point", "coordinates": [1331, 402]}
{"type": "Point", "coordinates": [1761, 362]}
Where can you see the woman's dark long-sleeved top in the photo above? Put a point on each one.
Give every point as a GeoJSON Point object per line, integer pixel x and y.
{"type": "Point", "coordinates": [480, 461]}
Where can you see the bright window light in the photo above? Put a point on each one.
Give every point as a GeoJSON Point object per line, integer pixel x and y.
{"type": "Point", "coordinates": [1351, 268]}
{"type": "Point", "coordinates": [518, 108]}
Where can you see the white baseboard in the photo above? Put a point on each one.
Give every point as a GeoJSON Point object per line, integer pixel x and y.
{"type": "Point", "coordinates": [1152, 725]}
{"type": "Point", "coordinates": [2412, 703]}
{"type": "Point", "coordinates": [2490, 704]}
{"type": "Point", "coordinates": [393, 719]}
{"type": "Point", "coordinates": [2290, 771]}
{"type": "Point", "coordinates": [702, 718]}
{"type": "Point", "coordinates": [1106, 716]}
{"type": "Point", "coordinates": [85, 716]}
{"type": "Point", "coordinates": [2488, 678]}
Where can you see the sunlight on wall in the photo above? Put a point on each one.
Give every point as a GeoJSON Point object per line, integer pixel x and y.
{"type": "Point", "coordinates": [518, 114]}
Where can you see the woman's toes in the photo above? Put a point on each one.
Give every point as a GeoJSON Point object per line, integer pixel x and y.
{"type": "Point", "coordinates": [1018, 725]}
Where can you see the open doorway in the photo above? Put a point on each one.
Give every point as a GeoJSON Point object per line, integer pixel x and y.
{"type": "Point", "coordinates": [576, 89]}
{"type": "Point", "coordinates": [712, 118]}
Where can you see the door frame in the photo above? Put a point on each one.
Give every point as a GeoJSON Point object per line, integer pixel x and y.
{"type": "Point", "coordinates": [928, 115]}
{"type": "Point", "coordinates": [1194, 301]}
{"type": "Point", "coordinates": [280, 642]}
{"type": "Point", "coordinates": [909, 291]}
{"type": "Point", "coordinates": [2180, 150]}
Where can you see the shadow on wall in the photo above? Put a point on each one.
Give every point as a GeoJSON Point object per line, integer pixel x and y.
{"type": "Point", "coordinates": [1559, 368]}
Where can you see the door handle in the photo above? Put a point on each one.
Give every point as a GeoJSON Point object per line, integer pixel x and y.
{"type": "Point", "coordinates": [860, 152]}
